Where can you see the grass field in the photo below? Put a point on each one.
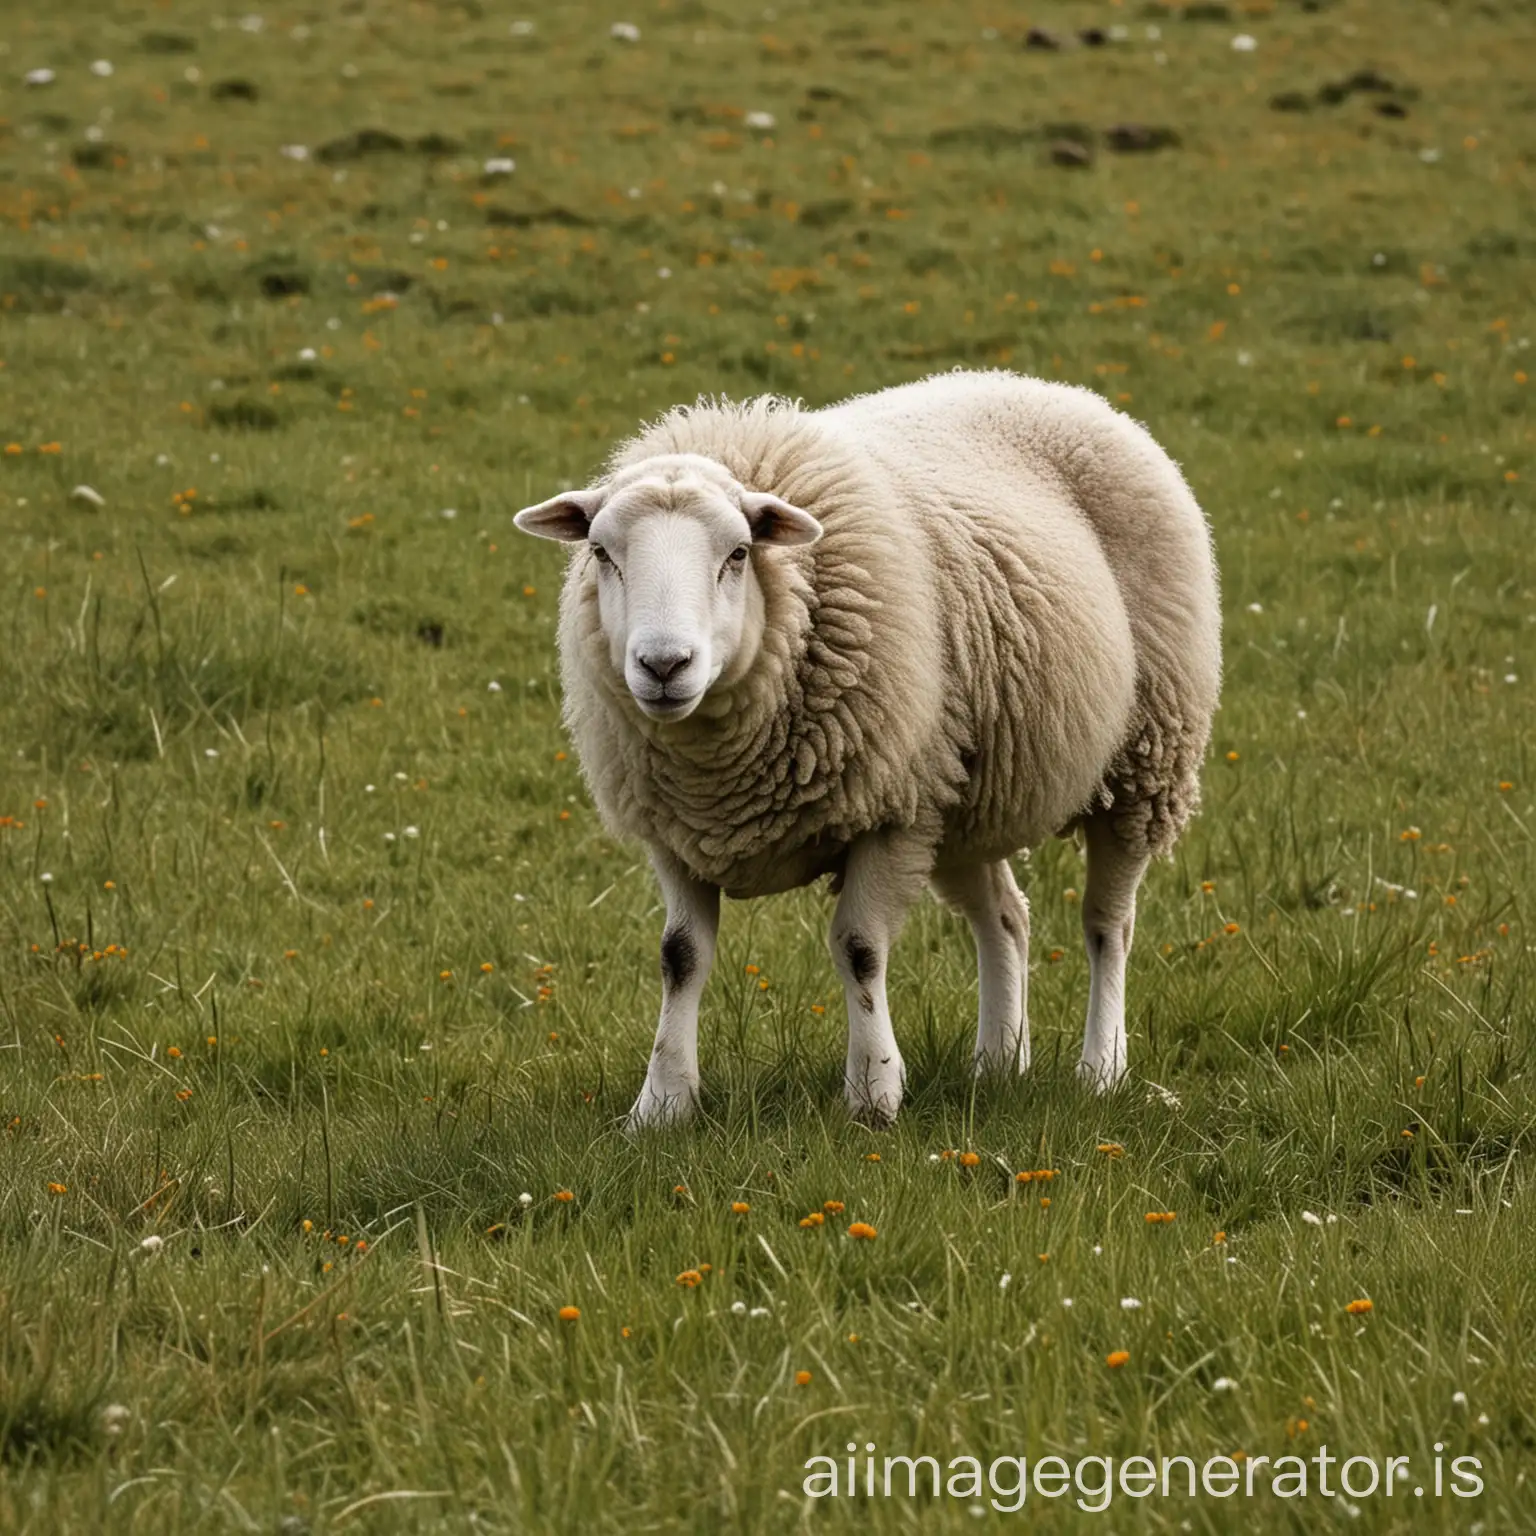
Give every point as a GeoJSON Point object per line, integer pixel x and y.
{"type": "Point", "coordinates": [322, 992]}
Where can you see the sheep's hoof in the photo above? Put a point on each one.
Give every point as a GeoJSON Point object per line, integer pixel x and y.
{"type": "Point", "coordinates": [879, 1116]}
{"type": "Point", "coordinates": [653, 1109]}
{"type": "Point", "coordinates": [874, 1102]}
{"type": "Point", "coordinates": [1100, 1076]}
{"type": "Point", "coordinates": [1002, 1064]}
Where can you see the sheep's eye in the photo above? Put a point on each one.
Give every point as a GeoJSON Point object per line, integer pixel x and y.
{"type": "Point", "coordinates": [738, 554]}
{"type": "Point", "coordinates": [600, 554]}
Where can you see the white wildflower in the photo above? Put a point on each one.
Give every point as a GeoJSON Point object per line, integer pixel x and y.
{"type": "Point", "coordinates": [624, 32]}
{"type": "Point", "coordinates": [1129, 1304]}
{"type": "Point", "coordinates": [102, 68]}
{"type": "Point", "coordinates": [1244, 42]}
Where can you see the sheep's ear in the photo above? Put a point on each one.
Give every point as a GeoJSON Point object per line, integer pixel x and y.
{"type": "Point", "coordinates": [565, 517]}
{"type": "Point", "coordinates": [774, 521]}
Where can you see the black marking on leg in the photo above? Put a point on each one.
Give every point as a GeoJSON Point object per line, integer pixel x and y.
{"type": "Point", "coordinates": [1010, 927]}
{"type": "Point", "coordinates": [862, 960]}
{"type": "Point", "coordinates": [867, 1001]}
{"type": "Point", "coordinates": [678, 957]}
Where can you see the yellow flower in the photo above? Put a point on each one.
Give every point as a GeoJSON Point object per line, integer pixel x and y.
{"type": "Point", "coordinates": [802, 1378]}
{"type": "Point", "coordinates": [690, 1278]}
{"type": "Point", "coordinates": [969, 1159]}
{"type": "Point", "coordinates": [862, 1229]}
{"type": "Point", "coordinates": [739, 1207]}
{"type": "Point", "coordinates": [564, 1196]}
{"type": "Point", "coordinates": [1361, 1304]}
{"type": "Point", "coordinates": [1116, 1358]}
{"type": "Point", "coordinates": [832, 1207]}
{"type": "Point", "coordinates": [569, 1314]}
{"type": "Point", "coordinates": [815, 1219]}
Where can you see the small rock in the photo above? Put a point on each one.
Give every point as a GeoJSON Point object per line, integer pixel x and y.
{"type": "Point", "coordinates": [1039, 37]}
{"type": "Point", "coordinates": [1093, 37]}
{"type": "Point", "coordinates": [1391, 109]}
{"type": "Point", "coordinates": [102, 68]}
{"type": "Point", "coordinates": [88, 496]}
{"type": "Point", "coordinates": [39, 77]}
{"type": "Point", "coordinates": [1070, 153]}
{"type": "Point", "coordinates": [624, 32]}
{"type": "Point", "coordinates": [1138, 138]}
{"type": "Point", "coordinates": [500, 165]}
{"type": "Point", "coordinates": [761, 122]}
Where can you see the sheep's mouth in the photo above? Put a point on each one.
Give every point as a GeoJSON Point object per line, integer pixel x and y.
{"type": "Point", "coordinates": [665, 706]}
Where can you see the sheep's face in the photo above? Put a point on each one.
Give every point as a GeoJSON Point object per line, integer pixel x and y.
{"type": "Point", "coordinates": [671, 541]}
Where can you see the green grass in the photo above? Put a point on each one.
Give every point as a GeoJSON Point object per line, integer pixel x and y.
{"type": "Point", "coordinates": [398, 1007]}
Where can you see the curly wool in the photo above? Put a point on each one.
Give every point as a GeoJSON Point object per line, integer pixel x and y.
{"type": "Point", "coordinates": [1010, 620]}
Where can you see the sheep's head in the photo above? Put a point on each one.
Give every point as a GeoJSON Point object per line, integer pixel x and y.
{"type": "Point", "coordinates": [672, 539]}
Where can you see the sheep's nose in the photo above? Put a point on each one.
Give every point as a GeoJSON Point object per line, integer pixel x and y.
{"type": "Point", "coordinates": [661, 664]}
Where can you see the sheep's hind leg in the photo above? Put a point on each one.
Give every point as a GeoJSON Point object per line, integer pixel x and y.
{"type": "Point", "coordinates": [687, 952]}
{"type": "Point", "coordinates": [1109, 920]}
{"type": "Point", "coordinates": [885, 873]}
{"type": "Point", "coordinates": [990, 898]}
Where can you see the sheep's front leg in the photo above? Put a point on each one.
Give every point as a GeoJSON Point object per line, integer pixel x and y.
{"type": "Point", "coordinates": [687, 952]}
{"type": "Point", "coordinates": [1109, 921]}
{"type": "Point", "coordinates": [990, 898]}
{"type": "Point", "coordinates": [884, 874]}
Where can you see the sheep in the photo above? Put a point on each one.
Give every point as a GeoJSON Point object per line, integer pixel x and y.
{"type": "Point", "coordinates": [893, 641]}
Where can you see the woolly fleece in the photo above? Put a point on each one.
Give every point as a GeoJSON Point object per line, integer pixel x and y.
{"type": "Point", "coordinates": [1010, 621]}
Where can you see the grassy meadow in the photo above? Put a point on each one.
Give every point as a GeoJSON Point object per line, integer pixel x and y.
{"type": "Point", "coordinates": [322, 991]}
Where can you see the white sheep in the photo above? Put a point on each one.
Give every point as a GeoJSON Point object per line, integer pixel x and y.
{"type": "Point", "coordinates": [893, 641]}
